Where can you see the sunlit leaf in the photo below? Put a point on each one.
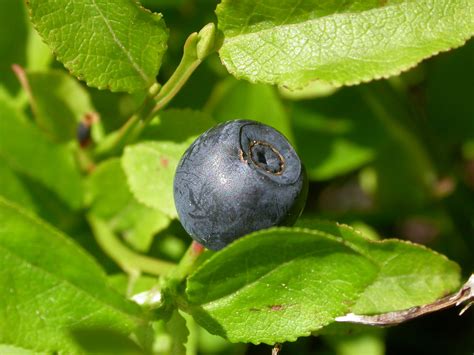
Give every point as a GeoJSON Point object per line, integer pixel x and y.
{"type": "Point", "coordinates": [293, 43]}
{"type": "Point", "coordinates": [116, 46]}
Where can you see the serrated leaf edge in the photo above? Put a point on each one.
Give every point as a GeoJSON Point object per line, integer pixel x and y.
{"type": "Point", "coordinates": [92, 83]}
{"type": "Point", "coordinates": [329, 236]}
{"type": "Point", "coordinates": [231, 68]}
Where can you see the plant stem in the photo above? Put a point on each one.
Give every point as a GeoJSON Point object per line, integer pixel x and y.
{"type": "Point", "coordinates": [197, 47]}
{"type": "Point", "coordinates": [128, 260]}
{"type": "Point", "coordinates": [171, 284]}
{"type": "Point", "coordinates": [188, 262]}
{"type": "Point", "coordinates": [188, 64]}
{"type": "Point", "coordinates": [115, 142]}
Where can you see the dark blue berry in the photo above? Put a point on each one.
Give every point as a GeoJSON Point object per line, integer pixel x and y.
{"type": "Point", "coordinates": [236, 178]}
{"type": "Point", "coordinates": [83, 134]}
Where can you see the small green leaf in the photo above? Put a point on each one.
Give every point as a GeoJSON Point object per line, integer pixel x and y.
{"type": "Point", "coordinates": [150, 169]}
{"type": "Point", "coordinates": [150, 166]}
{"type": "Point", "coordinates": [50, 287]}
{"type": "Point", "coordinates": [345, 43]}
{"type": "Point", "coordinates": [116, 46]}
{"type": "Point", "coordinates": [179, 332]}
{"type": "Point", "coordinates": [110, 199]}
{"type": "Point", "coordinates": [107, 191]}
{"type": "Point", "coordinates": [304, 278]}
{"type": "Point", "coordinates": [58, 103]}
{"type": "Point", "coordinates": [28, 151]}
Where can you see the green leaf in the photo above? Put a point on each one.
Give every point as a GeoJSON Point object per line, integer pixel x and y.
{"type": "Point", "coordinates": [58, 103]}
{"type": "Point", "coordinates": [288, 282]}
{"type": "Point", "coordinates": [313, 90]}
{"type": "Point", "coordinates": [232, 99]}
{"type": "Point", "coordinates": [110, 199]}
{"type": "Point", "coordinates": [13, 189]}
{"type": "Point", "coordinates": [368, 342]}
{"type": "Point", "coordinates": [7, 349]}
{"type": "Point", "coordinates": [356, 126]}
{"type": "Point", "coordinates": [336, 134]}
{"type": "Point", "coordinates": [27, 150]}
{"type": "Point", "coordinates": [129, 285]}
{"type": "Point", "coordinates": [118, 47]}
{"type": "Point", "coordinates": [177, 328]}
{"type": "Point", "coordinates": [107, 190]}
{"type": "Point", "coordinates": [38, 54]}
{"type": "Point", "coordinates": [297, 42]}
{"type": "Point", "coordinates": [277, 285]}
{"type": "Point", "coordinates": [403, 163]}
{"type": "Point", "coordinates": [104, 341]}
{"type": "Point", "coordinates": [409, 274]}
{"type": "Point", "coordinates": [150, 168]}
{"type": "Point", "coordinates": [12, 41]}
{"type": "Point", "coordinates": [51, 287]}
{"type": "Point", "coordinates": [449, 88]}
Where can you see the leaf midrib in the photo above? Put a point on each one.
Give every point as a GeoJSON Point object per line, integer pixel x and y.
{"type": "Point", "coordinates": [119, 44]}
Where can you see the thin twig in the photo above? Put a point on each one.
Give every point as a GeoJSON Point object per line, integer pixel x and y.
{"type": "Point", "coordinates": [276, 349]}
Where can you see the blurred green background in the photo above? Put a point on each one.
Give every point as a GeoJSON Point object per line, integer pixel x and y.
{"type": "Point", "coordinates": [394, 158]}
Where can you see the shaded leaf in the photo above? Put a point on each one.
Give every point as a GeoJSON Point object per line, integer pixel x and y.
{"type": "Point", "coordinates": [297, 42]}
{"type": "Point", "coordinates": [117, 46]}
{"type": "Point", "coordinates": [50, 286]}
{"type": "Point", "coordinates": [28, 151]}
{"type": "Point", "coordinates": [110, 199]}
{"type": "Point", "coordinates": [450, 84]}
{"type": "Point", "coordinates": [58, 102]}
{"type": "Point", "coordinates": [336, 134]}
{"type": "Point", "coordinates": [104, 341]}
